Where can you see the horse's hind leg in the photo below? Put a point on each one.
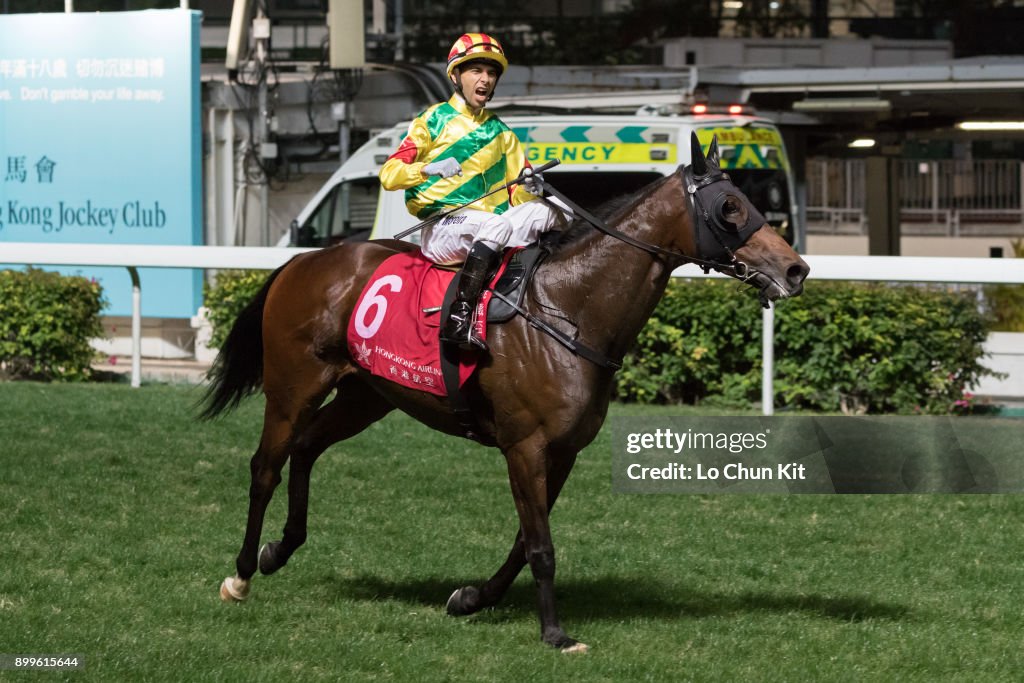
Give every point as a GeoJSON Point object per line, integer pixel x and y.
{"type": "Point", "coordinates": [286, 409]}
{"type": "Point", "coordinates": [265, 472]}
{"type": "Point", "coordinates": [469, 599]}
{"type": "Point", "coordinates": [355, 407]}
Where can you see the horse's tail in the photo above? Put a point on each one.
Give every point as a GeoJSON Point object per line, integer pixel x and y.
{"type": "Point", "coordinates": [238, 370]}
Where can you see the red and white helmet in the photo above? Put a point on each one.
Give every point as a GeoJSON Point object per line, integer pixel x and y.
{"type": "Point", "coordinates": [476, 46]}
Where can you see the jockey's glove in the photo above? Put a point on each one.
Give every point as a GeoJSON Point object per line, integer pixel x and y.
{"type": "Point", "coordinates": [533, 182]}
{"type": "Point", "coordinates": [445, 168]}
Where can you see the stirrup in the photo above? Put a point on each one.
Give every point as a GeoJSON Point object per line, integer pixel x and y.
{"type": "Point", "coordinates": [464, 339]}
{"type": "Point", "coordinates": [458, 330]}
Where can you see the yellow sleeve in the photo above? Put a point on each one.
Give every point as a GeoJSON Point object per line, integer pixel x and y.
{"type": "Point", "coordinates": [403, 169]}
{"type": "Point", "coordinates": [515, 162]}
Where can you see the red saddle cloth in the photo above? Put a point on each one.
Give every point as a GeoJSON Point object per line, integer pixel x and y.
{"type": "Point", "coordinates": [393, 331]}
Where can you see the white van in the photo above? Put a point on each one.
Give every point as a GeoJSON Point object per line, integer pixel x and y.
{"type": "Point", "coordinates": [603, 156]}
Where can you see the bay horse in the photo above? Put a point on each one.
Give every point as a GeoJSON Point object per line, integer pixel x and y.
{"type": "Point", "coordinates": [532, 397]}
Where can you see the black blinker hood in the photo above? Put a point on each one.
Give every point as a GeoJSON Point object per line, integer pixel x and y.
{"type": "Point", "coordinates": [708, 188]}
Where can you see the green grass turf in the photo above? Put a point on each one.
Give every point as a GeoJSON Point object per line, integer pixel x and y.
{"type": "Point", "coordinates": [121, 515]}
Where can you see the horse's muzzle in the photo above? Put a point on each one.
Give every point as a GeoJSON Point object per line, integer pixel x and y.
{"type": "Point", "coordinates": [770, 264]}
{"type": "Point", "coordinates": [790, 284]}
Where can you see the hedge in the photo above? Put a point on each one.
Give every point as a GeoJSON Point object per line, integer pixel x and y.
{"type": "Point", "coordinates": [838, 347]}
{"type": "Point", "coordinates": [847, 347]}
{"type": "Point", "coordinates": [226, 298]}
{"type": "Point", "coordinates": [46, 322]}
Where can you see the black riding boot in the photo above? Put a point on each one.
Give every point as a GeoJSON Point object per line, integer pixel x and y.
{"type": "Point", "coordinates": [458, 328]}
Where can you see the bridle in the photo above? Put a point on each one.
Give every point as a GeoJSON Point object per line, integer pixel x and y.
{"type": "Point", "coordinates": [704, 223]}
{"type": "Point", "coordinates": [708, 224]}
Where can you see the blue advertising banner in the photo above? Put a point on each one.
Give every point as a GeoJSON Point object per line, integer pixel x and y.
{"type": "Point", "coordinates": [100, 142]}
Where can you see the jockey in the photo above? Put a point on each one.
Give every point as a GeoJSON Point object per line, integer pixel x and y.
{"type": "Point", "coordinates": [454, 152]}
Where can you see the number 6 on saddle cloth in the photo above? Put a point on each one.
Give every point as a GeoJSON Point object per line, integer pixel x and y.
{"type": "Point", "coordinates": [393, 332]}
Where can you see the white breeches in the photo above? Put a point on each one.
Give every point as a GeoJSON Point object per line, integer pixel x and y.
{"type": "Point", "coordinates": [448, 241]}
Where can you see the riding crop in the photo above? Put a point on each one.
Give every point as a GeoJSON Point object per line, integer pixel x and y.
{"type": "Point", "coordinates": [438, 216]}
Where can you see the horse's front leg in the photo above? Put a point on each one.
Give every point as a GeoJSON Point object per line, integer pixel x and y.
{"type": "Point", "coordinates": [469, 599]}
{"type": "Point", "coordinates": [528, 473]}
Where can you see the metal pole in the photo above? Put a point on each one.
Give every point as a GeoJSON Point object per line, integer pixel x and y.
{"type": "Point", "coordinates": [261, 135]}
{"type": "Point", "coordinates": [69, 6]}
{"type": "Point", "coordinates": [768, 360]}
{"type": "Point", "coordinates": [339, 112]}
{"type": "Point", "coordinates": [136, 327]}
{"type": "Point", "coordinates": [399, 28]}
{"type": "Point", "coordinates": [343, 138]}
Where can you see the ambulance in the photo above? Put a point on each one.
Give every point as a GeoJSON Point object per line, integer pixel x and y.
{"type": "Point", "coordinates": [602, 157]}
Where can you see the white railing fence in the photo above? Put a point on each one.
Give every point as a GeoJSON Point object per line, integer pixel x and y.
{"type": "Point", "coordinates": [862, 268]}
{"type": "Point", "coordinates": [132, 257]}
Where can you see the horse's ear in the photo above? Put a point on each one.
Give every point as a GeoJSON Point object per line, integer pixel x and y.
{"type": "Point", "coordinates": [713, 156]}
{"type": "Point", "coordinates": [697, 156]}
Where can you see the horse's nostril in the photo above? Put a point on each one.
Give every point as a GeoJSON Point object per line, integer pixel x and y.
{"type": "Point", "coordinates": [797, 272]}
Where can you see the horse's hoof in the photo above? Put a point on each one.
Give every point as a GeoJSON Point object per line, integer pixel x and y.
{"type": "Point", "coordinates": [463, 602]}
{"type": "Point", "coordinates": [234, 589]}
{"type": "Point", "coordinates": [268, 562]}
{"type": "Point", "coordinates": [576, 648]}
{"type": "Point", "coordinates": [557, 639]}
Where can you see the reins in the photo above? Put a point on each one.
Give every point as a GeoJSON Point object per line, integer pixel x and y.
{"type": "Point", "coordinates": [610, 231]}
{"type": "Point", "coordinates": [739, 269]}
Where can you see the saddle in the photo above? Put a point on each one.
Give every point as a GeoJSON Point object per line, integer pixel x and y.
{"type": "Point", "coordinates": [518, 272]}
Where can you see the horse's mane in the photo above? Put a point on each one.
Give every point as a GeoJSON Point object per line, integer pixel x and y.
{"type": "Point", "coordinates": [609, 211]}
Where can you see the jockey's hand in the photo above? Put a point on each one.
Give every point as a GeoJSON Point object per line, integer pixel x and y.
{"type": "Point", "coordinates": [533, 182]}
{"type": "Point", "coordinates": [445, 168]}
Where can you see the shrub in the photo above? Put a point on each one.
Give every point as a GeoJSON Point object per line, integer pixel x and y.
{"type": "Point", "coordinates": [878, 348]}
{"type": "Point", "coordinates": [227, 297]}
{"type": "Point", "coordinates": [1005, 303]}
{"type": "Point", "coordinates": [46, 322]}
{"type": "Point", "coordinates": [839, 346]}
{"type": "Point", "coordinates": [701, 344]}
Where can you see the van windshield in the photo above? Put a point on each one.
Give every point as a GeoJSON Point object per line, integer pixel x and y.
{"type": "Point", "coordinates": [345, 214]}
{"type": "Point", "coordinates": [591, 190]}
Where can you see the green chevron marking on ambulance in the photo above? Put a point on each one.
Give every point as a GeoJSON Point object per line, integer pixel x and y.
{"type": "Point", "coordinates": [631, 134]}
{"type": "Point", "coordinates": [523, 133]}
{"type": "Point", "coordinates": [575, 134]}
{"type": "Point", "coordinates": [594, 145]}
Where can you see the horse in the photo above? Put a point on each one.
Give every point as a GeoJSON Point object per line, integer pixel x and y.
{"type": "Point", "coordinates": [532, 397]}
